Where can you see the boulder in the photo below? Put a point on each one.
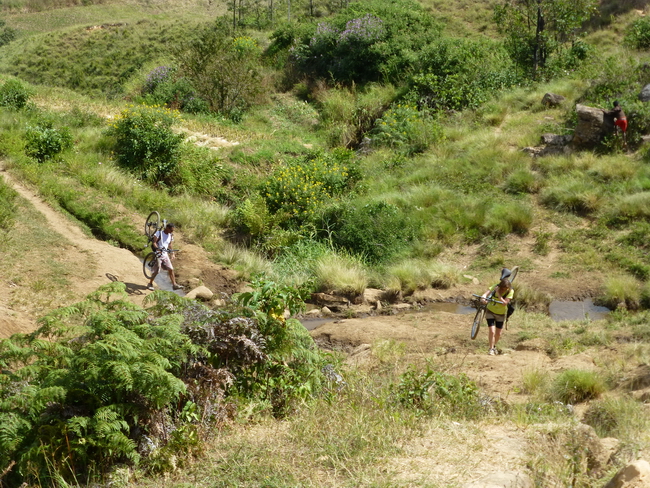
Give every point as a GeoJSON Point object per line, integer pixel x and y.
{"type": "Point", "coordinates": [634, 475]}
{"type": "Point", "coordinates": [592, 126]}
{"type": "Point", "coordinates": [200, 292]}
{"type": "Point", "coordinates": [556, 139]}
{"type": "Point", "coordinates": [327, 300]}
{"type": "Point", "coordinates": [644, 96]}
{"type": "Point", "coordinates": [552, 100]}
{"type": "Point", "coordinates": [502, 480]}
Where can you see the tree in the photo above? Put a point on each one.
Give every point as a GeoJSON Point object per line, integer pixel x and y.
{"type": "Point", "coordinates": [223, 70]}
{"type": "Point", "coordinates": [536, 30]}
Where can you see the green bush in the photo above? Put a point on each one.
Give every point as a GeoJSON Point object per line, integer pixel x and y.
{"type": "Point", "coordinates": [7, 34]}
{"type": "Point", "coordinates": [638, 33]}
{"type": "Point", "coordinates": [298, 188]}
{"type": "Point", "coordinates": [575, 386]}
{"type": "Point", "coordinates": [146, 145]}
{"type": "Point", "coordinates": [430, 392]}
{"type": "Point", "coordinates": [44, 142]}
{"type": "Point", "coordinates": [376, 232]}
{"type": "Point", "coordinates": [368, 41]}
{"type": "Point", "coordinates": [405, 128]}
{"type": "Point", "coordinates": [13, 94]}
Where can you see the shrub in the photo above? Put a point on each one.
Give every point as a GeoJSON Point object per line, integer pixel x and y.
{"type": "Point", "coordinates": [376, 232]}
{"type": "Point", "coordinates": [638, 33]}
{"type": "Point", "coordinates": [13, 94]}
{"type": "Point", "coordinates": [146, 144]}
{"type": "Point", "coordinates": [575, 386]}
{"type": "Point", "coordinates": [7, 34]}
{"type": "Point", "coordinates": [430, 391]}
{"type": "Point", "coordinates": [224, 72]}
{"type": "Point", "coordinates": [628, 208]}
{"type": "Point", "coordinates": [405, 128]}
{"type": "Point", "coordinates": [299, 187]}
{"type": "Point", "coordinates": [44, 142]}
{"type": "Point", "coordinates": [572, 194]}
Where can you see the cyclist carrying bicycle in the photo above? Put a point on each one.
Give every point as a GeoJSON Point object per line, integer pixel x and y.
{"type": "Point", "coordinates": [162, 241]}
{"type": "Point", "coordinates": [497, 310]}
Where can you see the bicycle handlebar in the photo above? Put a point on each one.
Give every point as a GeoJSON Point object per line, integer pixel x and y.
{"type": "Point", "coordinates": [490, 299]}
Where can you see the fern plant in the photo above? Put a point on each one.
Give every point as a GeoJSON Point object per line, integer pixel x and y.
{"type": "Point", "coordinates": [73, 392]}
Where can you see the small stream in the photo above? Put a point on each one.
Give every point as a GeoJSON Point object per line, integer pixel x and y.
{"type": "Point", "coordinates": [558, 311]}
{"type": "Point", "coordinates": [165, 284]}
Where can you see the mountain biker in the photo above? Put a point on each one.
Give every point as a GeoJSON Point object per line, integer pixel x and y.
{"type": "Point", "coordinates": [620, 120]}
{"type": "Point", "coordinates": [162, 241]}
{"type": "Point", "coordinates": [497, 311]}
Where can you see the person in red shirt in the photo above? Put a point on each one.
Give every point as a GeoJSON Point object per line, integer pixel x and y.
{"type": "Point", "coordinates": [620, 120]}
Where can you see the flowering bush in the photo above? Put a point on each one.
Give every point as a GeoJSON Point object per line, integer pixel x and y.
{"type": "Point", "coordinates": [297, 188]}
{"type": "Point", "coordinates": [146, 144]}
{"type": "Point", "coordinates": [246, 46]}
{"type": "Point", "coordinates": [404, 127]}
{"type": "Point", "coordinates": [156, 77]}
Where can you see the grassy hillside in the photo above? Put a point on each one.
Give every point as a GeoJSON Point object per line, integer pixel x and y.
{"type": "Point", "coordinates": [375, 144]}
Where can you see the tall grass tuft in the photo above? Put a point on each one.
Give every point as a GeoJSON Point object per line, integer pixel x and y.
{"type": "Point", "coordinates": [572, 194]}
{"type": "Point", "coordinates": [621, 290]}
{"type": "Point", "coordinates": [339, 273]}
{"type": "Point", "coordinates": [622, 418]}
{"type": "Point", "coordinates": [575, 386]}
{"type": "Point", "coordinates": [417, 274]}
{"type": "Point", "coordinates": [246, 262]}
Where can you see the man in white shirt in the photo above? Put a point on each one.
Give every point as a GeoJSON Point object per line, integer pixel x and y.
{"type": "Point", "coordinates": [162, 241]}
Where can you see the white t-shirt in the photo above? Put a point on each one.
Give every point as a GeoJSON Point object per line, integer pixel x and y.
{"type": "Point", "coordinates": [164, 239]}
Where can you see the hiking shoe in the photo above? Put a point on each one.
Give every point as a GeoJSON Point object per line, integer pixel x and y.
{"type": "Point", "coordinates": [150, 287]}
{"type": "Point", "coordinates": [492, 352]}
{"type": "Point", "coordinates": [177, 287]}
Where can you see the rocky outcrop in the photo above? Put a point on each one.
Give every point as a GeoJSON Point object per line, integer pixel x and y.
{"type": "Point", "coordinates": [644, 96]}
{"type": "Point", "coordinates": [201, 293]}
{"type": "Point", "coordinates": [551, 144]}
{"type": "Point", "coordinates": [552, 100]}
{"type": "Point", "coordinates": [634, 475]}
{"type": "Point", "coordinates": [592, 126]}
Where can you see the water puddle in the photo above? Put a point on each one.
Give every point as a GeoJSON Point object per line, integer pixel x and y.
{"type": "Point", "coordinates": [165, 284]}
{"type": "Point", "coordinates": [576, 310]}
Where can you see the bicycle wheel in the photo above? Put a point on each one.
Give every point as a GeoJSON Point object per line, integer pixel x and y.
{"type": "Point", "coordinates": [513, 273]}
{"type": "Point", "coordinates": [148, 264]}
{"type": "Point", "coordinates": [152, 224]}
{"type": "Point", "coordinates": [478, 319]}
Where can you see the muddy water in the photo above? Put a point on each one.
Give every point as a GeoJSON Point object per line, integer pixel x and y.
{"type": "Point", "coordinates": [558, 311]}
{"type": "Point", "coordinates": [577, 310]}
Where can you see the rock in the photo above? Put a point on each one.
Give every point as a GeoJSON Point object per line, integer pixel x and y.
{"type": "Point", "coordinates": [313, 313]}
{"type": "Point", "coordinates": [634, 475]}
{"type": "Point", "coordinates": [556, 139]}
{"type": "Point", "coordinates": [402, 306]}
{"type": "Point", "coordinates": [502, 480]}
{"type": "Point", "coordinates": [642, 395]}
{"type": "Point", "coordinates": [537, 344]}
{"type": "Point", "coordinates": [378, 305]}
{"type": "Point", "coordinates": [644, 96]}
{"type": "Point", "coordinates": [327, 300]}
{"type": "Point", "coordinates": [325, 311]}
{"type": "Point", "coordinates": [552, 100]}
{"type": "Point", "coordinates": [473, 279]}
{"type": "Point", "coordinates": [200, 292]}
{"type": "Point", "coordinates": [371, 295]}
{"type": "Point", "coordinates": [592, 126]}
{"type": "Point", "coordinates": [219, 302]}
{"type": "Point", "coordinates": [611, 445]}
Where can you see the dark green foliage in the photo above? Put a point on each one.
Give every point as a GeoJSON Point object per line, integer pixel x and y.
{"type": "Point", "coordinates": [537, 32]}
{"type": "Point", "coordinates": [73, 392]}
{"type": "Point", "coordinates": [368, 41]}
{"type": "Point", "coordinates": [44, 142]}
{"type": "Point", "coordinates": [376, 231]}
{"type": "Point", "coordinates": [430, 392]}
{"type": "Point", "coordinates": [223, 70]}
{"type": "Point", "coordinates": [13, 94]}
{"type": "Point", "coordinates": [638, 33]}
{"type": "Point", "coordinates": [7, 205]}
{"type": "Point", "coordinates": [164, 87]}
{"type": "Point", "coordinates": [7, 34]}
{"type": "Point", "coordinates": [454, 74]}
{"type": "Point", "coordinates": [300, 187]}
{"type": "Point", "coordinates": [146, 144]}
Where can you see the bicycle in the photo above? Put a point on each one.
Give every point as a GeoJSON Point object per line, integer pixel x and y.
{"type": "Point", "coordinates": [152, 225]}
{"type": "Point", "coordinates": [150, 261]}
{"type": "Point", "coordinates": [482, 307]}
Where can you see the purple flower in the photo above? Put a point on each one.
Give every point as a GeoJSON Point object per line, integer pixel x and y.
{"type": "Point", "coordinates": [156, 77]}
